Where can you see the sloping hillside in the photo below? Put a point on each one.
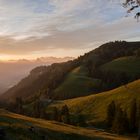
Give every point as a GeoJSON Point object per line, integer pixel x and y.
{"type": "Point", "coordinates": [129, 65]}
{"type": "Point", "coordinates": [15, 126]}
{"type": "Point", "coordinates": [76, 84]}
{"type": "Point", "coordinates": [94, 107]}
{"type": "Point", "coordinates": [45, 80]}
{"type": "Point", "coordinates": [39, 81]}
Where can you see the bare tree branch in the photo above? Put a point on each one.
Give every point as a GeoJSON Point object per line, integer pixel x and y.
{"type": "Point", "coordinates": [132, 5]}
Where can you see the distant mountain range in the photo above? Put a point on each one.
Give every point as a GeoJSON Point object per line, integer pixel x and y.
{"type": "Point", "coordinates": [13, 71]}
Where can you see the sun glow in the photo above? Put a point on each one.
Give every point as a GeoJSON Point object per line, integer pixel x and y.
{"type": "Point", "coordinates": [59, 53]}
{"type": "Point", "coordinates": [4, 57]}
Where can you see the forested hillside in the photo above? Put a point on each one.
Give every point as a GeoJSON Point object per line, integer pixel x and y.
{"type": "Point", "coordinates": [52, 81]}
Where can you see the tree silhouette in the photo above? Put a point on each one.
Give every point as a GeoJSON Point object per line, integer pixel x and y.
{"type": "Point", "coordinates": [37, 109]}
{"type": "Point", "coordinates": [111, 110]}
{"type": "Point", "coordinates": [65, 116]}
{"type": "Point", "coordinates": [120, 124]}
{"type": "Point", "coordinates": [133, 113]}
{"type": "Point", "coordinates": [19, 105]}
{"type": "Point", "coordinates": [132, 5]}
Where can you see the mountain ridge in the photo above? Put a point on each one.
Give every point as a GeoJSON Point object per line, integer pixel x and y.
{"type": "Point", "coordinates": [45, 80]}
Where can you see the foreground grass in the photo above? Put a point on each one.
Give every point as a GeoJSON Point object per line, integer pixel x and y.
{"type": "Point", "coordinates": [17, 128]}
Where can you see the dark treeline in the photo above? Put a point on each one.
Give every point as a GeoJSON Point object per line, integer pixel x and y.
{"type": "Point", "coordinates": [111, 80]}
{"type": "Point", "coordinates": [122, 122]}
{"type": "Point", "coordinates": [39, 110]}
{"type": "Point", "coordinates": [118, 120]}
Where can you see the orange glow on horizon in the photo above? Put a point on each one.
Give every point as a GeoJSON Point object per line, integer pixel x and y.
{"type": "Point", "coordinates": [5, 57]}
{"type": "Point", "coordinates": [57, 53]}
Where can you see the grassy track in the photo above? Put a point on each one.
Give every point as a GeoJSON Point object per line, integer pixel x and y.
{"type": "Point", "coordinates": [17, 128]}
{"type": "Point", "coordinates": [76, 84]}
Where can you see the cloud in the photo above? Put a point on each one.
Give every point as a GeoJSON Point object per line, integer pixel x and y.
{"type": "Point", "coordinates": [31, 18]}
{"type": "Point", "coordinates": [61, 27]}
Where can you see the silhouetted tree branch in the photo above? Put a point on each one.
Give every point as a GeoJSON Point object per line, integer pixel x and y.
{"type": "Point", "coordinates": [132, 5]}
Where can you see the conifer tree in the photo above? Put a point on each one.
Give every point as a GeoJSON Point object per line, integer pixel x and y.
{"type": "Point", "coordinates": [37, 109]}
{"type": "Point", "coordinates": [133, 115]}
{"type": "Point", "coordinates": [117, 126]}
{"type": "Point", "coordinates": [19, 105]}
{"type": "Point", "coordinates": [111, 110]}
{"type": "Point", "coordinates": [138, 121]}
{"type": "Point", "coordinates": [65, 116]}
{"type": "Point", "coordinates": [55, 114]}
{"type": "Point", "coordinates": [121, 122]}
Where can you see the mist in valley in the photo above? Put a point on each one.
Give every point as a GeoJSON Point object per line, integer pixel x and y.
{"type": "Point", "coordinates": [12, 71]}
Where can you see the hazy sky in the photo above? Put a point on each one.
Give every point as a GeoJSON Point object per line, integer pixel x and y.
{"type": "Point", "coordinates": [34, 28]}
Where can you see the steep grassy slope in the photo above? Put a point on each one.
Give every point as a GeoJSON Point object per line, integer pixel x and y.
{"type": "Point", "coordinates": [76, 84]}
{"type": "Point", "coordinates": [94, 106]}
{"type": "Point", "coordinates": [19, 127]}
{"type": "Point", "coordinates": [129, 65]}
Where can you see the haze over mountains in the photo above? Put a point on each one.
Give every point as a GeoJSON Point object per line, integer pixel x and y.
{"type": "Point", "coordinates": [13, 71]}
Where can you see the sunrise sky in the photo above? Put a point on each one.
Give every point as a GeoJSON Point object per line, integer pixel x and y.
{"type": "Point", "coordinates": [35, 28]}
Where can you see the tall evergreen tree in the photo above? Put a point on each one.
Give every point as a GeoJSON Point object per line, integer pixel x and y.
{"type": "Point", "coordinates": [65, 116]}
{"type": "Point", "coordinates": [125, 122]}
{"type": "Point", "coordinates": [111, 110]}
{"type": "Point", "coordinates": [55, 114]}
{"type": "Point", "coordinates": [120, 122]}
{"type": "Point", "coordinates": [81, 120]}
{"type": "Point", "coordinates": [19, 105]}
{"type": "Point", "coordinates": [133, 115]}
{"type": "Point", "coordinates": [42, 111]}
{"type": "Point", "coordinates": [37, 109]}
{"type": "Point", "coordinates": [138, 120]}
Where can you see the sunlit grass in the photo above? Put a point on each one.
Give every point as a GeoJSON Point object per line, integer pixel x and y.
{"type": "Point", "coordinates": [18, 126]}
{"type": "Point", "coordinates": [95, 106]}
{"type": "Point", "coordinates": [76, 84]}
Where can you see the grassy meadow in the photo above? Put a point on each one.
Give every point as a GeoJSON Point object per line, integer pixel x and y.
{"type": "Point", "coordinates": [129, 65]}
{"type": "Point", "coordinates": [18, 127]}
{"type": "Point", "coordinates": [77, 83]}
{"type": "Point", "coordinates": [94, 107]}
